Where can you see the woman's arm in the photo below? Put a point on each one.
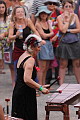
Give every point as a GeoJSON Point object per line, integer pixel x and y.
{"type": "Point", "coordinates": [32, 27]}
{"type": "Point", "coordinates": [77, 30]}
{"type": "Point", "coordinates": [11, 32]}
{"type": "Point", "coordinates": [41, 32]}
{"type": "Point", "coordinates": [5, 34]}
{"type": "Point", "coordinates": [62, 26]}
{"type": "Point", "coordinates": [28, 69]}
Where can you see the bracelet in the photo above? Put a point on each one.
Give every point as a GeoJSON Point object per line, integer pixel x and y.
{"type": "Point", "coordinates": [57, 34]}
{"type": "Point", "coordinates": [41, 88]}
{"type": "Point", "coordinates": [68, 30]}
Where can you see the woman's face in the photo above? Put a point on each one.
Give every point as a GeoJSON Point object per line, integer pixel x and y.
{"type": "Point", "coordinates": [36, 50]}
{"type": "Point", "coordinates": [20, 13]}
{"type": "Point", "coordinates": [51, 6]}
{"type": "Point", "coordinates": [2, 9]}
{"type": "Point", "coordinates": [43, 16]}
{"type": "Point", "coordinates": [68, 7]}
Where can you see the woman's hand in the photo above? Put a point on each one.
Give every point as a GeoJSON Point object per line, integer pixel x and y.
{"type": "Point", "coordinates": [66, 16]}
{"type": "Point", "coordinates": [45, 91]}
{"type": "Point", "coordinates": [1, 37]}
{"type": "Point", "coordinates": [18, 33]}
{"type": "Point", "coordinates": [8, 41]}
{"type": "Point", "coordinates": [54, 39]}
{"type": "Point", "coordinates": [43, 42]}
{"type": "Point", "coordinates": [45, 86]}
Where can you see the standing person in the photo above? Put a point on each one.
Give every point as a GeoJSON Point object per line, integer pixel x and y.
{"type": "Point", "coordinates": [69, 47]}
{"type": "Point", "coordinates": [24, 103]}
{"type": "Point", "coordinates": [46, 54]}
{"type": "Point", "coordinates": [3, 19]}
{"type": "Point", "coordinates": [20, 28]}
{"type": "Point", "coordinates": [36, 4]}
{"type": "Point", "coordinates": [52, 5]}
{"type": "Point", "coordinates": [4, 26]}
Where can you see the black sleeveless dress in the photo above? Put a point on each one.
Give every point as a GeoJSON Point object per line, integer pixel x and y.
{"type": "Point", "coordinates": [24, 103]}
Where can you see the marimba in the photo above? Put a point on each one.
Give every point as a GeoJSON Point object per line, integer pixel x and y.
{"type": "Point", "coordinates": [60, 102]}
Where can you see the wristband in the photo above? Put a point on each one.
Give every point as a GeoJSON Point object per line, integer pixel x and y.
{"type": "Point", "coordinates": [41, 88]}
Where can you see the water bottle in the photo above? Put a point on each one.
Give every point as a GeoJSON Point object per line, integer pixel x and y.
{"type": "Point", "coordinates": [21, 30]}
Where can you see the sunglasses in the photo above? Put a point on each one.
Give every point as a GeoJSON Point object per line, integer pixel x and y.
{"type": "Point", "coordinates": [68, 6]}
{"type": "Point", "coordinates": [51, 3]}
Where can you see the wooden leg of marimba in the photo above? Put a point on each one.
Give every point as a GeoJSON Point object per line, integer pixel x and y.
{"type": "Point", "coordinates": [78, 113]}
{"type": "Point", "coordinates": [47, 113]}
{"type": "Point", "coordinates": [66, 112]}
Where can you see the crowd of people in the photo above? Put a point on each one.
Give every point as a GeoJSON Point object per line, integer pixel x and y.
{"type": "Point", "coordinates": [36, 44]}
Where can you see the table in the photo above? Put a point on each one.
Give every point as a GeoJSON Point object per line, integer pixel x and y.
{"type": "Point", "coordinates": [61, 102]}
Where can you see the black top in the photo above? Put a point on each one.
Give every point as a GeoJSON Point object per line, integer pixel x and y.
{"type": "Point", "coordinates": [19, 42]}
{"type": "Point", "coordinates": [47, 31]}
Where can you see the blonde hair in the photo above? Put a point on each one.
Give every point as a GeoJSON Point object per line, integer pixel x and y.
{"type": "Point", "coordinates": [13, 19]}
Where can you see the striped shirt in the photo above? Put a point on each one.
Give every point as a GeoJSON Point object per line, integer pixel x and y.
{"type": "Point", "coordinates": [35, 5]}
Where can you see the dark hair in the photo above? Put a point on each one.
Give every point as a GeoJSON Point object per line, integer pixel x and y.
{"type": "Point", "coordinates": [69, 1]}
{"type": "Point", "coordinates": [5, 13]}
{"type": "Point", "coordinates": [46, 18]}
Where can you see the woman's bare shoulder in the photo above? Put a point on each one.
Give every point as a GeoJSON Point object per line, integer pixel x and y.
{"type": "Point", "coordinates": [30, 62]}
{"type": "Point", "coordinates": [37, 24]}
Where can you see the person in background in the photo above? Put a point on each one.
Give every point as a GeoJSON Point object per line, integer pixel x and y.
{"type": "Point", "coordinates": [24, 104]}
{"type": "Point", "coordinates": [77, 4]}
{"type": "Point", "coordinates": [3, 19]}
{"type": "Point", "coordinates": [4, 26]}
{"type": "Point", "coordinates": [13, 4]}
{"type": "Point", "coordinates": [52, 5]}
{"type": "Point", "coordinates": [68, 23]}
{"type": "Point", "coordinates": [20, 28]}
{"type": "Point", "coordinates": [36, 4]}
{"type": "Point", "coordinates": [46, 54]}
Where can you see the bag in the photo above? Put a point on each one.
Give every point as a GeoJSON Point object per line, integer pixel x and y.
{"type": "Point", "coordinates": [7, 57]}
